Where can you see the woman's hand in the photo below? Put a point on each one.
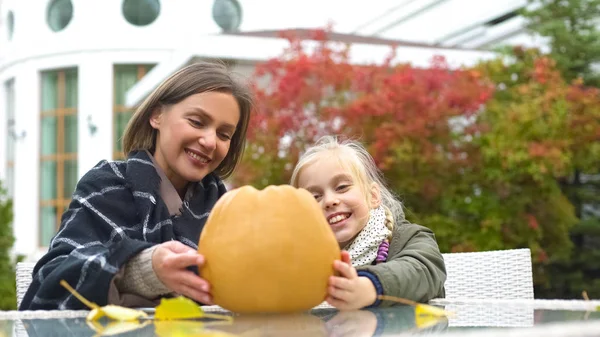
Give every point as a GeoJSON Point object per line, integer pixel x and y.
{"type": "Point", "coordinates": [170, 260]}
{"type": "Point", "coordinates": [349, 291]}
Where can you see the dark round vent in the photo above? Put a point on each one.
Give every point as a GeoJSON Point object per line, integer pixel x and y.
{"type": "Point", "coordinates": [227, 14]}
{"type": "Point", "coordinates": [141, 12]}
{"type": "Point", "coordinates": [60, 14]}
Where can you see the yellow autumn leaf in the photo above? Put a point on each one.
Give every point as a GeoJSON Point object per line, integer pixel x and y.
{"type": "Point", "coordinates": [120, 313]}
{"type": "Point", "coordinates": [423, 322]}
{"type": "Point", "coordinates": [74, 292]}
{"type": "Point", "coordinates": [115, 328]}
{"type": "Point", "coordinates": [427, 316]}
{"type": "Point", "coordinates": [95, 314]}
{"type": "Point", "coordinates": [179, 308]}
{"type": "Point", "coordinates": [420, 308]}
{"type": "Point", "coordinates": [430, 310]}
{"type": "Point", "coordinates": [114, 312]}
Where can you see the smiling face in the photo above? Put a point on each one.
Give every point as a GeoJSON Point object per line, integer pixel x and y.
{"type": "Point", "coordinates": [346, 203]}
{"type": "Point", "coordinates": [194, 136]}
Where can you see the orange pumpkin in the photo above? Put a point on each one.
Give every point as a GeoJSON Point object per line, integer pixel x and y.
{"type": "Point", "coordinates": [268, 250]}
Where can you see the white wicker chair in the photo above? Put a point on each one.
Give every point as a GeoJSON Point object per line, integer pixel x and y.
{"type": "Point", "coordinates": [490, 275]}
{"type": "Point", "coordinates": [24, 272]}
{"type": "Point", "coordinates": [503, 274]}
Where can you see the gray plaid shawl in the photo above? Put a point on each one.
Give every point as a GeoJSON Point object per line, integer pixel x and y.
{"type": "Point", "coordinates": [116, 212]}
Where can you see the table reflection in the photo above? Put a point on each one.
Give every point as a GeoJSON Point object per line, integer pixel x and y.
{"type": "Point", "coordinates": [320, 322]}
{"type": "Point", "coordinates": [380, 322]}
{"type": "Point", "coordinates": [485, 315]}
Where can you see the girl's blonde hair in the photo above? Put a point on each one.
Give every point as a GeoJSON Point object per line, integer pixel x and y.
{"type": "Point", "coordinates": [354, 156]}
{"type": "Point", "coordinates": [196, 78]}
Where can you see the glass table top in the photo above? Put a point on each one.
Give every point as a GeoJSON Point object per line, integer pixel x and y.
{"type": "Point", "coordinates": [477, 319]}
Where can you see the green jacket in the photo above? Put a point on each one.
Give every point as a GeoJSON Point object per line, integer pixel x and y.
{"type": "Point", "coordinates": [415, 267]}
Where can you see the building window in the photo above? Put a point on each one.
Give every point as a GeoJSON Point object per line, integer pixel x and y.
{"type": "Point", "coordinates": [9, 183]}
{"type": "Point", "coordinates": [125, 77]}
{"type": "Point", "coordinates": [227, 14]}
{"type": "Point", "coordinates": [10, 24]}
{"type": "Point", "coordinates": [141, 12]}
{"type": "Point", "coordinates": [58, 144]}
{"type": "Point", "coordinates": [60, 14]}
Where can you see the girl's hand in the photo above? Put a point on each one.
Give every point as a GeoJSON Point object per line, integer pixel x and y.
{"type": "Point", "coordinates": [170, 260]}
{"type": "Point", "coordinates": [349, 291]}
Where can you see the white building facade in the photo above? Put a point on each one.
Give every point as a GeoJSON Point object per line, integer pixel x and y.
{"type": "Point", "coordinates": [65, 68]}
{"type": "Point", "coordinates": [71, 72]}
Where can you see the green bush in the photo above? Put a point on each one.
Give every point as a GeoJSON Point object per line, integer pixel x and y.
{"type": "Point", "coordinates": [7, 267]}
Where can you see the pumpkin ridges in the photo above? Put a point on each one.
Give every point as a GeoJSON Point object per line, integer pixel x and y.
{"type": "Point", "coordinates": [286, 234]}
{"type": "Point", "coordinates": [223, 203]}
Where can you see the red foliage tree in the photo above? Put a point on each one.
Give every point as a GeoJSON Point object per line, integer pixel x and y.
{"type": "Point", "coordinates": [303, 95]}
{"type": "Point", "coordinates": [474, 153]}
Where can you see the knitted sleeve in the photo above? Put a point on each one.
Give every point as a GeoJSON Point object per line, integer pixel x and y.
{"type": "Point", "coordinates": [139, 277]}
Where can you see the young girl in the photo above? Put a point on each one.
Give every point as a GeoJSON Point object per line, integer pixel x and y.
{"type": "Point", "coordinates": [382, 253]}
{"type": "Point", "coordinates": [129, 235]}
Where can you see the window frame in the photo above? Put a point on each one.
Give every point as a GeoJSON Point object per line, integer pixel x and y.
{"type": "Point", "coordinates": [61, 201]}
{"type": "Point", "coordinates": [142, 70]}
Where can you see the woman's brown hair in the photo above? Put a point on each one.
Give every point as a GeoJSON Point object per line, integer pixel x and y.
{"type": "Point", "coordinates": [193, 79]}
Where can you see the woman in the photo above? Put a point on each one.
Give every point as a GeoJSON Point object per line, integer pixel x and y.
{"type": "Point", "coordinates": [130, 234]}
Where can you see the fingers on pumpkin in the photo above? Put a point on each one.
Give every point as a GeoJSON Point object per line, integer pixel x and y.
{"type": "Point", "coordinates": [340, 282]}
{"type": "Point", "coordinates": [339, 293]}
{"type": "Point", "coordinates": [178, 247]}
{"type": "Point", "coordinates": [184, 260]}
{"type": "Point", "coordinates": [346, 257]}
{"type": "Point", "coordinates": [337, 303]}
{"type": "Point", "coordinates": [196, 294]}
{"type": "Point", "coordinates": [345, 269]}
{"type": "Point", "coordinates": [194, 281]}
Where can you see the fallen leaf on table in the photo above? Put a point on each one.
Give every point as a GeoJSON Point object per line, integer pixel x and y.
{"type": "Point", "coordinates": [424, 318]}
{"type": "Point", "coordinates": [117, 313]}
{"type": "Point", "coordinates": [115, 328]}
{"type": "Point", "coordinates": [114, 312]}
{"type": "Point", "coordinates": [421, 309]}
{"type": "Point", "coordinates": [183, 308]}
{"type": "Point", "coordinates": [168, 318]}
{"type": "Point", "coordinates": [430, 310]}
{"type": "Point", "coordinates": [425, 315]}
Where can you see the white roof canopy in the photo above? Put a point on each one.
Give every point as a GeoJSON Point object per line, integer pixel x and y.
{"type": "Point", "coordinates": [465, 23]}
{"type": "Point", "coordinates": [257, 49]}
{"type": "Point", "coordinates": [461, 30]}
